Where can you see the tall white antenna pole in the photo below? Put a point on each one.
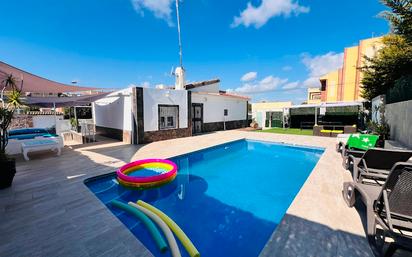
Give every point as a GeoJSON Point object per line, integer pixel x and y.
{"type": "Point", "coordinates": [178, 31]}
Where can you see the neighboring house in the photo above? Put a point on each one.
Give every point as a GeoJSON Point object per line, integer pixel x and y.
{"type": "Point", "coordinates": [141, 115]}
{"type": "Point", "coordinates": [269, 114]}
{"type": "Point", "coordinates": [344, 84]}
{"type": "Point", "coordinates": [314, 96]}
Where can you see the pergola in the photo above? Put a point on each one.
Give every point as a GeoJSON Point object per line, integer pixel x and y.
{"type": "Point", "coordinates": [338, 108]}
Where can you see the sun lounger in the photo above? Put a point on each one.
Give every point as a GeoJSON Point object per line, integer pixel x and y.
{"type": "Point", "coordinates": [341, 141]}
{"type": "Point", "coordinates": [357, 142]}
{"type": "Point", "coordinates": [376, 163]}
{"type": "Point", "coordinates": [388, 206]}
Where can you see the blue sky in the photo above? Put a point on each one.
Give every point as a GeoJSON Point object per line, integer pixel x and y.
{"type": "Point", "coordinates": [267, 49]}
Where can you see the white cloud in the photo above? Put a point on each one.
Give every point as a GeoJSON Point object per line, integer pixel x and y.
{"type": "Point", "coordinates": [249, 76]}
{"type": "Point", "coordinates": [269, 83]}
{"type": "Point", "coordinates": [320, 65]}
{"type": "Point", "coordinates": [291, 85]}
{"type": "Point", "coordinates": [145, 84]}
{"type": "Point", "coordinates": [287, 68]}
{"type": "Point", "coordinates": [161, 86]}
{"type": "Point", "coordinates": [258, 16]}
{"type": "Point", "coordinates": [161, 9]}
{"type": "Point", "coordinates": [311, 82]}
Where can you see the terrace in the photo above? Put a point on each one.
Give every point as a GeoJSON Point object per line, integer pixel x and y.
{"type": "Point", "coordinates": [50, 212]}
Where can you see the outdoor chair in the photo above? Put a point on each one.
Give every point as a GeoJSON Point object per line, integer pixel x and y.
{"type": "Point", "coordinates": [376, 163]}
{"type": "Point", "coordinates": [356, 142]}
{"type": "Point", "coordinates": [387, 206]}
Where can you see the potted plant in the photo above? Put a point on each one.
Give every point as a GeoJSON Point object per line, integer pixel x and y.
{"type": "Point", "coordinates": [7, 164]}
{"type": "Point", "coordinates": [380, 128]}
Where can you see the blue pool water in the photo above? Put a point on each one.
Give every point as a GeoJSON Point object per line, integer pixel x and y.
{"type": "Point", "coordinates": [228, 199]}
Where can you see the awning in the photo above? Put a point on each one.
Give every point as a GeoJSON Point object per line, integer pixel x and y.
{"type": "Point", "coordinates": [50, 102]}
{"type": "Point", "coordinates": [336, 109]}
{"type": "Point", "coordinates": [36, 84]}
{"type": "Point", "coordinates": [337, 104]}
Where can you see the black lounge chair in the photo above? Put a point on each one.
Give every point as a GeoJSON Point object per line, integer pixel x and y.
{"type": "Point", "coordinates": [389, 206]}
{"type": "Point", "coordinates": [357, 142]}
{"type": "Point", "coordinates": [376, 163]}
{"type": "Point", "coordinates": [347, 162]}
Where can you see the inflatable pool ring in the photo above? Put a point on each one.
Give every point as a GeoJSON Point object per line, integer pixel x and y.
{"type": "Point", "coordinates": [167, 171]}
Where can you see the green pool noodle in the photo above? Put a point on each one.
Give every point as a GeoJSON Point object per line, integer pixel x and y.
{"type": "Point", "coordinates": [160, 242]}
{"type": "Point", "coordinates": [188, 245]}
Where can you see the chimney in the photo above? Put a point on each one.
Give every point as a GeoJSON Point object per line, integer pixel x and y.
{"type": "Point", "coordinates": [180, 78]}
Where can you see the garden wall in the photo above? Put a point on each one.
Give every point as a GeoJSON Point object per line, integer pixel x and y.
{"type": "Point", "coordinates": [399, 117]}
{"type": "Point", "coordinates": [34, 121]}
{"type": "Point", "coordinates": [21, 121]}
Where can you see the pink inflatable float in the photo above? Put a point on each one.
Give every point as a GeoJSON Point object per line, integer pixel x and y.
{"type": "Point", "coordinates": [165, 171]}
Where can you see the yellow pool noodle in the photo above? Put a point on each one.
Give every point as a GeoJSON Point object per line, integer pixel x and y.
{"type": "Point", "coordinates": [190, 248]}
{"type": "Point", "coordinates": [166, 230]}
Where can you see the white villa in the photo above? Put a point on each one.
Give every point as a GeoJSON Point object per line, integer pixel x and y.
{"type": "Point", "coordinates": [139, 115]}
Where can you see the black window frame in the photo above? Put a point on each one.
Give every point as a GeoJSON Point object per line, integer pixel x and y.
{"type": "Point", "coordinates": [166, 117]}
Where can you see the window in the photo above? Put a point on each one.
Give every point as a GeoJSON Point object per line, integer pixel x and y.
{"type": "Point", "coordinates": [225, 112]}
{"type": "Point", "coordinates": [323, 85]}
{"type": "Point", "coordinates": [314, 96]}
{"type": "Point", "coordinates": [168, 116]}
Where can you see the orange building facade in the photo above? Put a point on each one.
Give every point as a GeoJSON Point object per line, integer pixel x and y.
{"type": "Point", "coordinates": [344, 84]}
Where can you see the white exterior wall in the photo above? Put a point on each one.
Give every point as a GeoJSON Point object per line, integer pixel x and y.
{"type": "Point", "coordinates": [153, 97]}
{"type": "Point", "coordinates": [114, 110]}
{"type": "Point", "coordinates": [63, 126]}
{"type": "Point", "coordinates": [45, 121]}
{"type": "Point", "coordinates": [213, 88]}
{"type": "Point", "coordinates": [213, 106]}
{"type": "Point", "coordinates": [259, 116]}
{"type": "Point", "coordinates": [399, 116]}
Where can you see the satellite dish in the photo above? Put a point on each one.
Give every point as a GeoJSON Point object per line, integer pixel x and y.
{"type": "Point", "coordinates": [74, 81]}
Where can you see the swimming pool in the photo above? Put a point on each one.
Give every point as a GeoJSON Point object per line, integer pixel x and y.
{"type": "Point", "coordinates": [228, 198]}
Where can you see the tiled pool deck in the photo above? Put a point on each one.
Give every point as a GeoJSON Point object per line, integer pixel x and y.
{"type": "Point", "coordinates": [50, 212]}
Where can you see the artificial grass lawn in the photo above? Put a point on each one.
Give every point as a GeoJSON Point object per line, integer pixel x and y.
{"type": "Point", "coordinates": [292, 131]}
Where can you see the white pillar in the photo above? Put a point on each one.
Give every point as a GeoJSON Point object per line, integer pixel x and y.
{"type": "Point", "coordinates": [55, 117]}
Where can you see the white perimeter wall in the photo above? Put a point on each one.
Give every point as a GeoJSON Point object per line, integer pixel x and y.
{"type": "Point", "coordinates": [153, 97]}
{"type": "Point", "coordinates": [114, 110]}
{"type": "Point", "coordinates": [213, 106]}
{"type": "Point", "coordinates": [399, 117]}
{"type": "Point", "coordinates": [45, 121]}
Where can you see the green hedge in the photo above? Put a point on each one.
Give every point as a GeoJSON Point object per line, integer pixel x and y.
{"type": "Point", "coordinates": [402, 91]}
{"type": "Point", "coordinates": [342, 110]}
{"type": "Point", "coordinates": [303, 111]}
{"type": "Point", "coordinates": [335, 111]}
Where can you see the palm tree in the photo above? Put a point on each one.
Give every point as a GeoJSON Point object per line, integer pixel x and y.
{"type": "Point", "coordinates": [10, 83]}
{"type": "Point", "coordinates": [400, 17]}
{"type": "Point", "coordinates": [7, 111]}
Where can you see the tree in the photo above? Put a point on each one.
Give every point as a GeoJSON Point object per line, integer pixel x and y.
{"type": "Point", "coordinates": [400, 17]}
{"type": "Point", "coordinates": [7, 110]}
{"type": "Point", "coordinates": [392, 65]}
